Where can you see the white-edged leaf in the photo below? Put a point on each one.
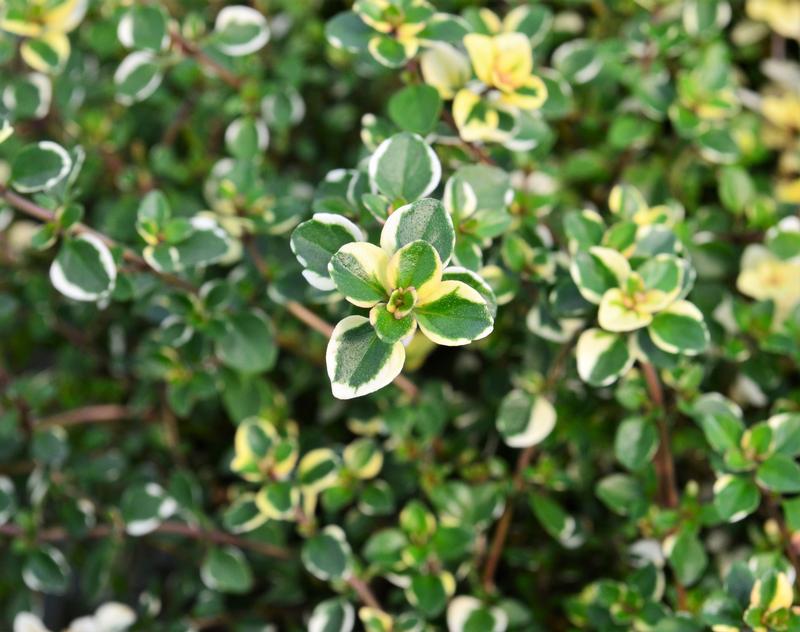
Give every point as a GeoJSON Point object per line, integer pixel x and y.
{"type": "Point", "coordinates": [358, 361]}
{"type": "Point", "coordinates": [602, 357]}
{"type": "Point", "coordinates": [40, 166]}
{"type": "Point", "coordinates": [424, 219]}
{"type": "Point", "coordinates": [524, 419]}
{"type": "Point", "coordinates": [137, 77]}
{"type": "Point", "coordinates": [315, 241]}
{"type": "Point", "coordinates": [84, 269]}
{"type": "Point", "coordinates": [240, 30]}
{"type": "Point", "coordinates": [404, 167]}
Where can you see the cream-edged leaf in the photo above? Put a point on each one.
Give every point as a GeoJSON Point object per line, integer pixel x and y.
{"type": "Point", "coordinates": [358, 269]}
{"type": "Point", "coordinates": [358, 361]}
{"type": "Point", "coordinates": [453, 314]}
{"type": "Point", "coordinates": [525, 420]}
{"type": "Point", "coordinates": [84, 269]}
{"type": "Point", "coordinates": [602, 357]}
{"type": "Point", "coordinates": [424, 219]}
{"type": "Point", "coordinates": [680, 329]}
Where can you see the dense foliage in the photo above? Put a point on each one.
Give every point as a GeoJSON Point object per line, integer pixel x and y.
{"type": "Point", "coordinates": [399, 315]}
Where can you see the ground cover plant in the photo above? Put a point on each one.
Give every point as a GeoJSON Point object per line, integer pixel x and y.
{"type": "Point", "coordinates": [400, 315]}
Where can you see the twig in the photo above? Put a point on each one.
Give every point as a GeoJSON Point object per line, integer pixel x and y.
{"type": "Point", "coordinates": [99, 413]}
{"type": "Point", "coordinates": [305, 315]}
{"type": "Point", "coordinates": [57, 534]}
{"type": "Point", "coordinates": [364, 593]}
{"type": "Point", "coordinates": [293, 307]}
{"type": "Point", "coordinates": [195, 51]}
{"type": "Point", "coordinates": [663, 461]}
{"type": "Point", "coordinates": [501, 532]}
{"type": "Point", "coordinates": [665, 467]}
{"type": "Point", "coordinates": [523, 460]}
{"type": "Point", "coordinates": [34, 210]}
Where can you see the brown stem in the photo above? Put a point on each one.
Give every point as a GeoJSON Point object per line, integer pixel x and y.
{"type": "Point", "coordinates": [663, 462]}
{"type": "Point", "coordinates": [523, 460]}
{"type": "Point", "coordinates": [477, 151]}
{"type": "Point", "coordinates": [87, 415]}
{"type": "Point", "coordinates": [364, 593]}
{"type": "Point", "coordinates": [501, 532]}
{"type": "Point", "coordinates": [293, 307]}
{"type": "Point", "coordinates": [195, 51]}
{"type": "Point", "coordinates": [29, 208]}
{"type": "Point", "coordinates": [57, 534]}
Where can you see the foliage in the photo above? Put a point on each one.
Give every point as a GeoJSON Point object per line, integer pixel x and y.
{"type": "Point", "coordinates": [400, 315]}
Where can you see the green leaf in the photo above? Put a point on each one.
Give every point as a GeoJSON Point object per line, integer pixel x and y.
{"type": "Point", "coordinates": [348, 31]}
{"type": "Point", "coordinates": [424, 220]}
{"type": "Point", "coordinates": [720, 420]}
{"type": "Point", "coordinates": [736, 189]}
{"type": "Point", "coordinates": [84, 269]}
{"type": "Point", "coordinates": [468, 614]}
{"type": "Point", "coordinates": [243, 515]}
{"type": "Point", "coordinates": [622, 494]}
{"type": "Point", "coordinates": [453, 314]}
{"type": "Point", "coordinates": [584, 229]}
{"type": "Point", "coordinates": [318, 470]}
{"type": "Point", "coordinates": [779, 473]}
{"type": "Point", "coordinates": [358, 361]}
{"type": "Point", "coordinates": [785, 433]}
{"type": "Point", "coordinates": [429, 593]}
{"type": "Point", "coordinates": [248, 343]}
{"type": "Point", "coordinates": [240, 30]}
{"type": "Point", "coordinates": [597, 271]}
{"type": "Point", "coordinates": [404, 167]}
{"type": "Point", "coordinates": [416, 108]}
{"type": "Point", "coordinates": [8, 499]}
{"type": "Point", "coordinates": [388, 327]}
{"type": "Point", "coordinates": [279, 500]}
{"type": "Point", "coordinates": [204, 244]}
{"type": "Point", "coordinates": [226, 570]}
{"type": "Point", "coordinates": [636, 442]}
{"type": "Point", "coordinates": [137, 77]}
{"type": "Point", "coordinates": [602, 357]}
{"type": "Point", "coordinates": [359, 271]}
{"type": "Point", "coordinates": [143, 27]}
{"type": "Point", "coordinates": [557, 522]}
{"type": "Point", "coordinates": [332, 615]}
{"type": "Point", "coordinates": [476, 282]}
{"type": "Point", "coordinates": [525, 420]}
{"type": "Point", "coordinates": [315, 241]}
{"type": "Point", "coordinates": [144, 506]}
{"type": "Point", "coordinates": [680, 329]}
{"type": "Point", "coordinates": [327, 555]}
{"type": "Point", "coordinates": [735, 497]}
{"type": "Point", "coordinates": [387, 51]}
{"type": "Point", "coordinates": [40, 166]}
{"type": "Point", "coordinates": [246, 138]}
{"type": "Point", "coordinates": [687, 556]}
{"type": "Point", "coordinates": [46, 570]}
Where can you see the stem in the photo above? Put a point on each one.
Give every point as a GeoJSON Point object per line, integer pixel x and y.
{"type": "Point", "coordinates": [501, 533]}
{"type": "Point", "coordinates": [663, 461]}
{"type": "Point", "coordinates": [57, 534]}
{"type": "Point", "coordinates": [523, 460]}
{"type": "Point", "coordinates": [29, 208]}
{"type": "Point", "coordinates": [87, 415]}
{"type": "Point", "coordinates": [364, 593]}
{"type": "Point", "coordinates": [195, 51]}
{"type": "Point", "coordinates": [293, 307]}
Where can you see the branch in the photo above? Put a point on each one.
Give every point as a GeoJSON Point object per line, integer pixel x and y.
{"type": "Point", "coordinates": [663, 462]}
{"type": "Point", "coordinates": [33, 210]}
{"type": "Point", "coordinates": [195, 51]}
{"type": "Point", "coordinates": [87, 415]}
{"type": "Point", "coordinates": [57, 534]}
{"type": "Point", "coordinates": [364, 593]}
{"type": "Point", "coordinates": [293, 307]}
{"type": "Point", "coordinates": [523, 460]}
